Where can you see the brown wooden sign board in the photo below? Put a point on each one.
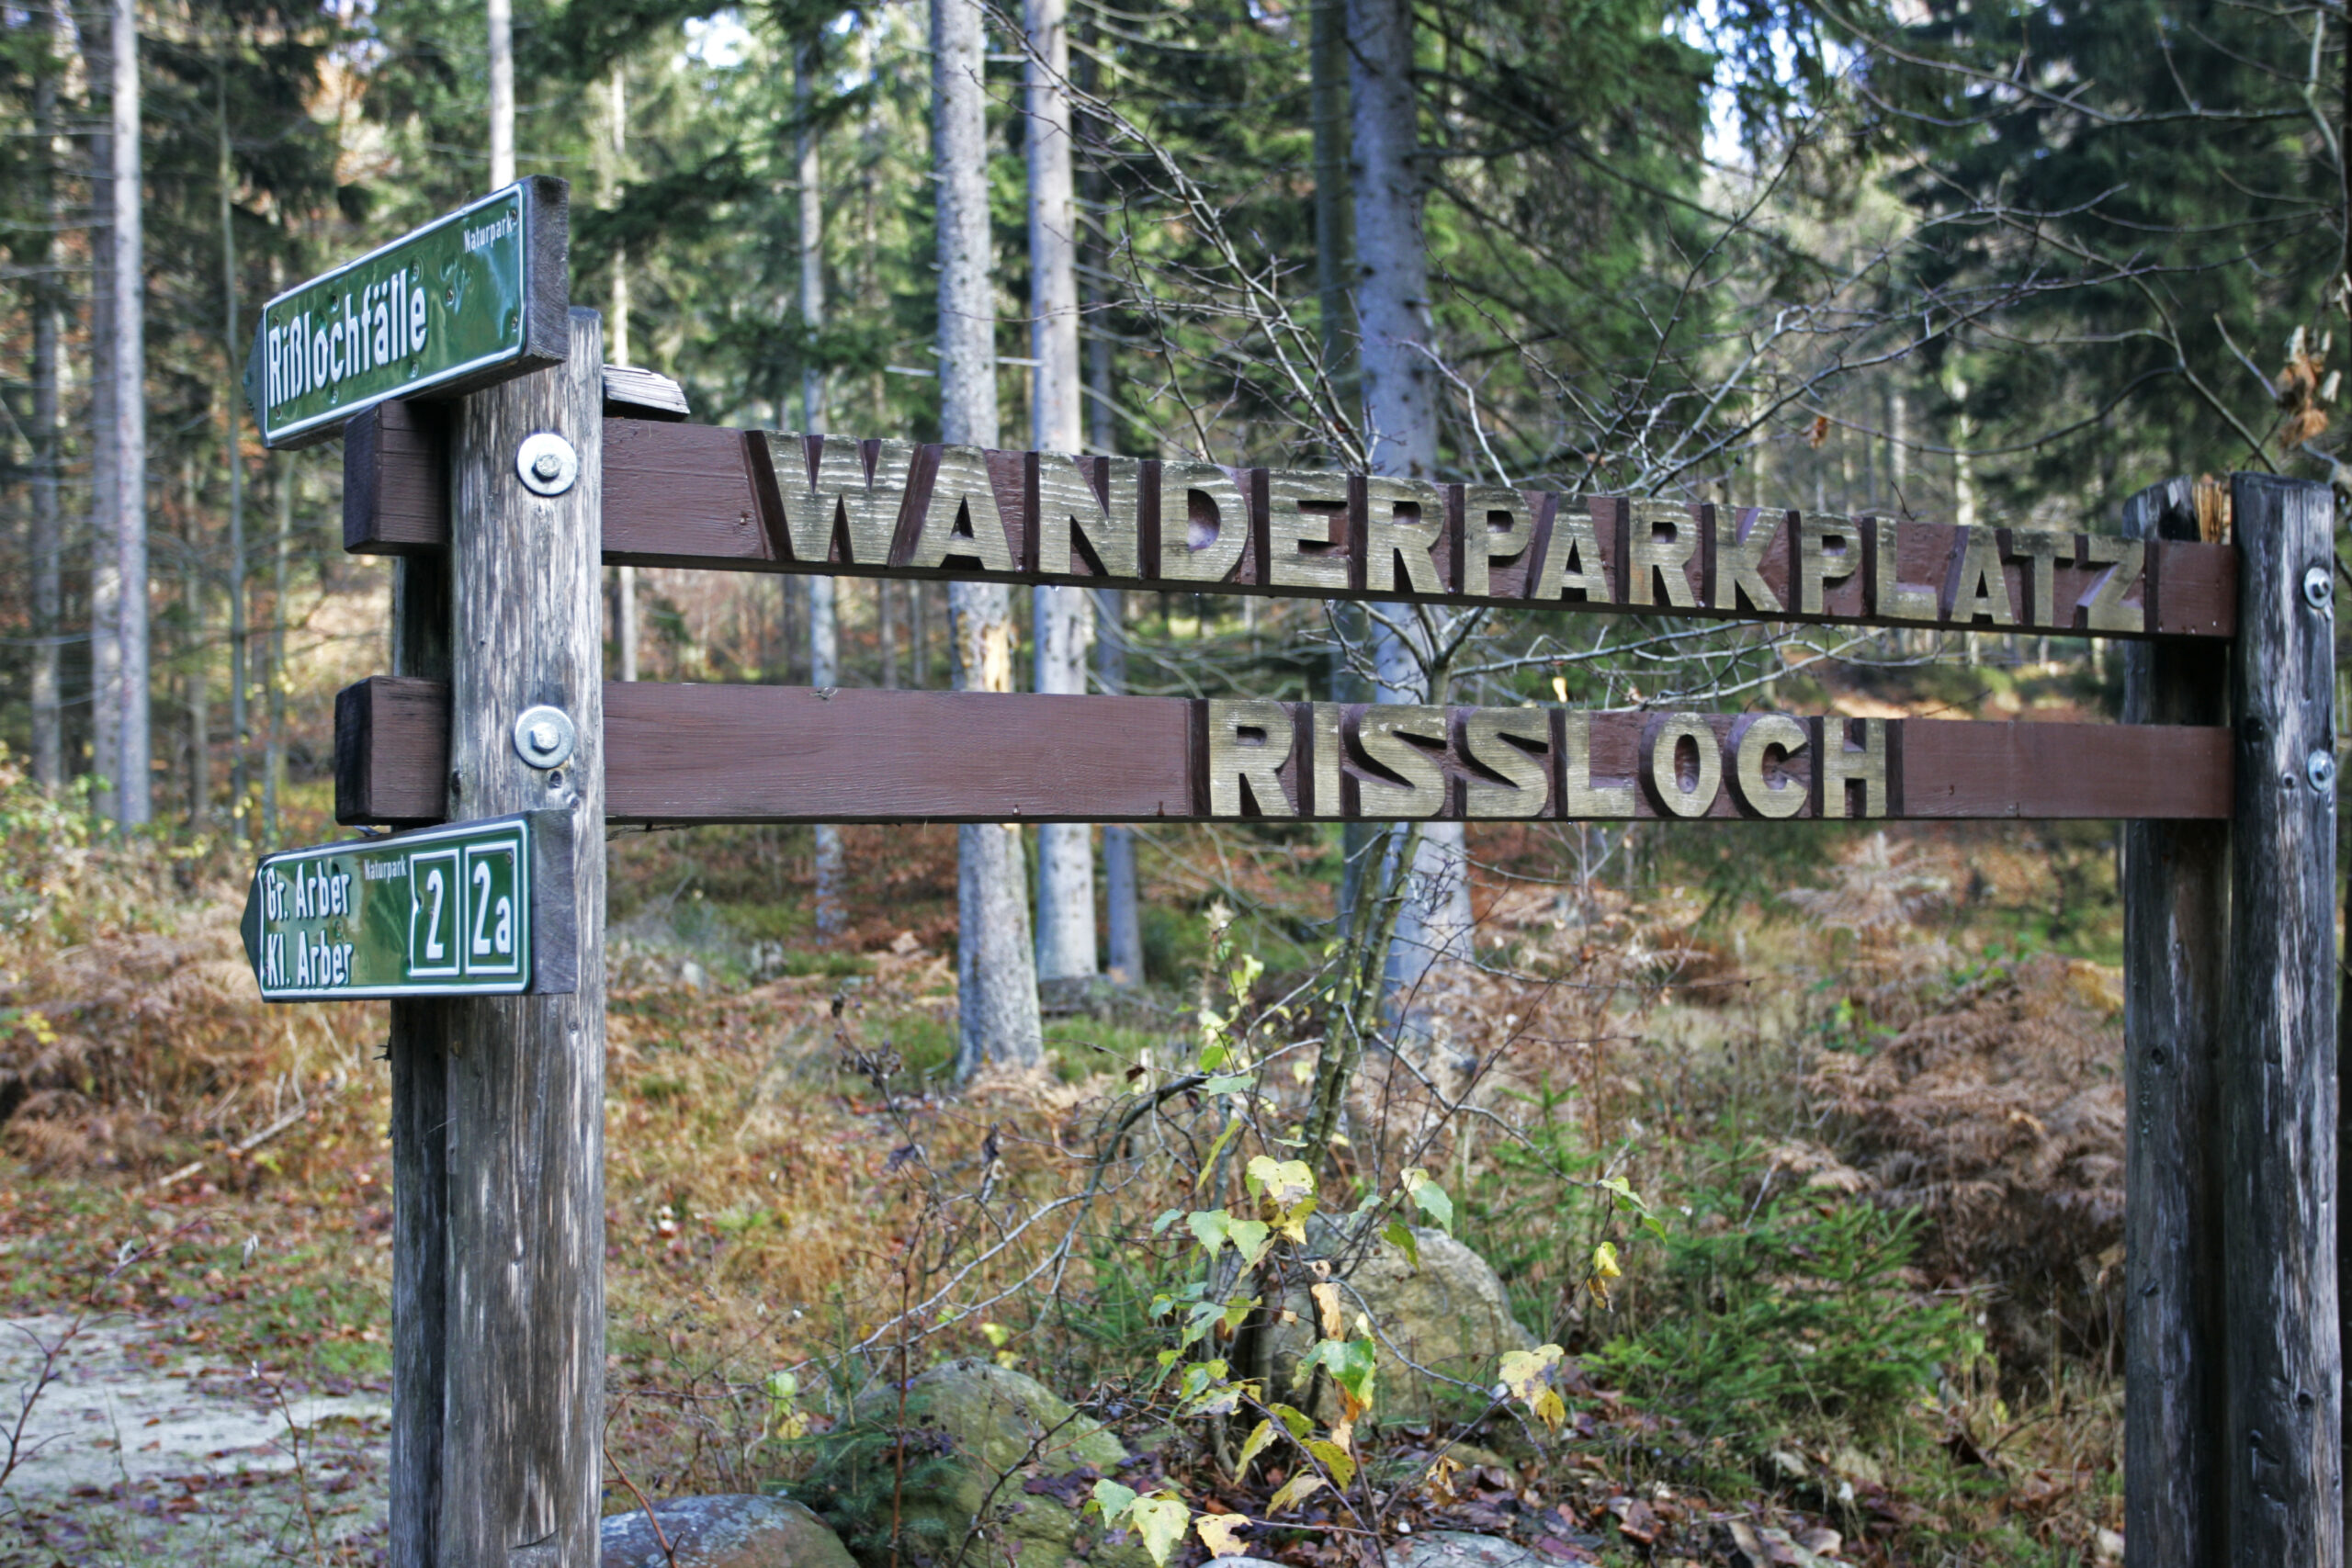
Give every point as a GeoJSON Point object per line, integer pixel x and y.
{"type": "Point", "coordinates": [680, 755]}
{"type": "Point", "coordinates": [713, 498]}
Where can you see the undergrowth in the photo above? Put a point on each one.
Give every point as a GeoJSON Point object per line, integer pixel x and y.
{"type": "Point", "coordinates": [1852, 1168]}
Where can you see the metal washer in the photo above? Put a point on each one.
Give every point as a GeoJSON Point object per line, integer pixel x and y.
{"type": "Point", "coordinates": [545, 738]}
{"type": "Point", "coordinates": [546, 464]}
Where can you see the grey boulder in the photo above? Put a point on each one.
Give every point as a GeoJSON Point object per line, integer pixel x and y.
{"type": "Point", "coordinates": [731, 1531]}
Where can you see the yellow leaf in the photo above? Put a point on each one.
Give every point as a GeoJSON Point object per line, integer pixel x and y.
{"type": "Point", "coordinates": [1327, 1309]}
{"type": "Point", "coordinates": [1221, 1533]}
{"type": "Point", "coordinates": [1604, 1269]}
{"type": "Point", "coordinates": [1337, 1460]}
{"type": "Point", "coordinates": [1527, 1376]}
{"type": "Point", "coordinates": [1159, 1519]}
{"type": "Point", "coordinates": [1298, 1488]}
{"type": "Point", "coordinates": [1250, 1449]}
{"type": "Point", "coordinates": [1524, 1373]}
{"type": "Point", "coordinates": [1284, 1183]}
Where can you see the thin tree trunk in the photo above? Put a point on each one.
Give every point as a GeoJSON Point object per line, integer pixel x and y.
{"type": "Point", "coordinates": [134, 782]}
{"type": "Point", "coordinates": [919, 634]}
{"type": "Point", "coordinates": [197, 685]}
{"type": "Point", "coordinates": [1120, 904]}
{"type": "Point", "coordinates": [240, 723]}
{"type": "Point", "coordinates": [105, 565]}
{"type": "Point", "coordinates": [1063, 617]}
{"type": "Point", "coordinates": [886, 631]}
{"type": "Point", "coordinates": [1326, 109]}
{"type": "Point", "coordinates": [1121, 910]}
{"type": "Point", "coordinates": [49, 740]}
{"type": "Point", "coordinates": [996, 980]}
{"type": "Point", "coordinates": [609, 164]}
{"type": "Point", "coordinates": [1400, 407]}
{"type": "Point", "coordinates": [272, 778]}
{"type": "Point", "coordinates": [502, 94]}
{"type": "Point", "coordinates": [824, 631]}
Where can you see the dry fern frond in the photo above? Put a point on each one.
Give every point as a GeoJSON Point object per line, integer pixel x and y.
{"type": "Point", "coordinates": [2000, 1115]}
{"type": "Point", "coordinates": [1875, 893]}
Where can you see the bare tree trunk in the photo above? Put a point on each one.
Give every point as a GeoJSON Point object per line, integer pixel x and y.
{"type": "Point", "coordinates": [1121, 903]}
{"type": "Point", "coordinates": [1121, 908]}
{"type": "Point", "coordinates": [134, 782]}
{"type": "Point", "coordinates": [824, 631]}
{"type": "Point", "coordinates": [502, 94]}
{"type": "Point", "coordinates": [106, 567]}
{"type": "Point", "coordinates": [1326, 108]}
{"type": "Point", "coordinates": [1400, 407]}
{"type": "Point", "coordinates": [240, 723]}
{"type": "Point", "coordinates": [996, 981]}
{"type": "Point", "coordinates": [196, 684]}
{"type": "Point", "coordinates": [47, 533]}
{"type": "Point", "coordinates": [272, 778]}
{"type": "Point", "coordinates": [609, 165]}
{"type": "Point", "coordinates": [886, 631]}
{"type": "Point", "coordinates": [1063, 617]}
{"type": "Point", "coordinates": [919, 634]}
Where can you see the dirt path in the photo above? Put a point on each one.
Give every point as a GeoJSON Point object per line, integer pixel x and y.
{"type": "Point", "coordinates": [135, 1454]}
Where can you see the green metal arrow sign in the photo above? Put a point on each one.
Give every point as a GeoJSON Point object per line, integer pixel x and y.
{"type": "Point", "coordinates": [468, 300]}
{"type": "Point", "coordinates": [482, 909]}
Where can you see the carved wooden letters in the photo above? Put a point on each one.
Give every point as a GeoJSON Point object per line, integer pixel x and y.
{"type": "Point", "coordinates": [889, 506]}
{"type": "Point", "coordinates": [1400, 762]}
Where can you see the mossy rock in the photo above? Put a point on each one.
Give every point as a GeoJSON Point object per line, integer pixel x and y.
{"type": "Point", "coordinates": [977, 1459]}
{"type": "Point", "coordinates": [736, 1531]}
{"type": "Point", "coordinates": [1449, 1314]}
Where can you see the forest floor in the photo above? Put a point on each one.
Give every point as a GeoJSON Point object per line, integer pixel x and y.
{"type": "Point", "coordinates": [1927, 1047]}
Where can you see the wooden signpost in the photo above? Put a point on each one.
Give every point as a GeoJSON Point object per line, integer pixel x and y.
{"type": "Point", "coordinates": [504, 503]}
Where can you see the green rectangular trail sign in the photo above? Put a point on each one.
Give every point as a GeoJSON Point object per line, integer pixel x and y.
{"type": "Point", "coordinates": [480, 908]}
{"type": "Point", "coordinates": [468, 300]}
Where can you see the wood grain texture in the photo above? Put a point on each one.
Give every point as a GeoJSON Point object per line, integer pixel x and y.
{"type": "Point", "coordinates": [521, 1129]}
{"type": "Point", "coordinates": [683, 754]}
{"type": "Point", "coordinates": [699, 496]}
{"type": "Point", "coordinates": [634, 392]}
{"type": "Point", "coordinates": [416, 1045]}
{"type": "Point", "coordinates": [775, 753]}
{"type": "Point", "coordinates": [2175, 932]}
{"type": "Point", "coordinates": [2283, 1454]}
{"type": "Point", "coordinates": [395, 490]}
{"type": "Point", "coordinates": [392, 751]}
{"type": "Point", "coordinates": [2059, 771]}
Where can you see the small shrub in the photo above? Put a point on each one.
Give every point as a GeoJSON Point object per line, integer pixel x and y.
{"type": "Point", "coordinates": [1799, 1313]}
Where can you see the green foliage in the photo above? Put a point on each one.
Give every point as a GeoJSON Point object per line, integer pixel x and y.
{"type": "Point", "coordinates": [855, 1473]}
{"type": "Point", "coordinates": [1793, 1314]}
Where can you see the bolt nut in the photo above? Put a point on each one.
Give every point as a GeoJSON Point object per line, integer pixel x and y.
{"type": "Point", "coordinates": [544, 738]}
{"type": "Point", "coordinates": [546, 464]}
{"type": "Point", "coordinates": [2319, 589]}
{"type": "Point", "coordinates": [2321, 770]}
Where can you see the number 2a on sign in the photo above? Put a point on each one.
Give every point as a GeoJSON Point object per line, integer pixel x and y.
{"type": "Point", "coordinates": [463, 919]}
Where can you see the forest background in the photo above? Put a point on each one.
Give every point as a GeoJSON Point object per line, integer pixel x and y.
{"type": "Point", "coordinates": [1978, 261]}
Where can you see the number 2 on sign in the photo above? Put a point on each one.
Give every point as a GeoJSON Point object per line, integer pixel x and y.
{"type": "Point", "coordinates": [434, 948]}
{"type": "Point", "coordinates": [436, 915]}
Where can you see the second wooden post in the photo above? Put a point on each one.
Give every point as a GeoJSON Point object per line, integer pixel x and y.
{"type": "Point", "coordinates": [2281, 1456]}
{"type": "Point", "coordinates": [498, 1104]}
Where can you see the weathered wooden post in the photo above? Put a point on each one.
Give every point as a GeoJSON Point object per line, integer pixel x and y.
{"type": "Point", "coordinates": [498, 1102]}
{"type": "Point", "coordinates": [2176, 934]}
{"type": "Point", "coordinates": [2282, 1455]}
